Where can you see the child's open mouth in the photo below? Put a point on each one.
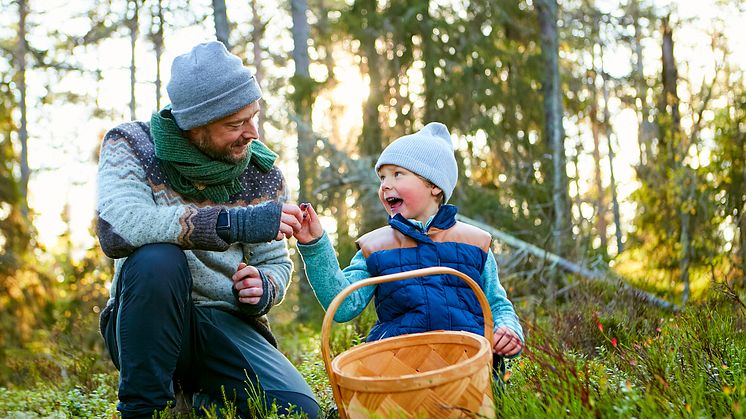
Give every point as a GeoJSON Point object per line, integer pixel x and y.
{"type": "Point", "coordinates": [394, 203]}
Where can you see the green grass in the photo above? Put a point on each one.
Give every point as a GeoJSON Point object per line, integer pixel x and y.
{"type": "Point", "coordinates": [598, 354]}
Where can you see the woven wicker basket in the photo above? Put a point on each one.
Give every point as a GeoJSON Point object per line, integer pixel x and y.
{"type": "Point", "coordinates": [441, 374]}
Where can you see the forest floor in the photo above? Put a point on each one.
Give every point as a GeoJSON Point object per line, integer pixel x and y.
{"type": "Point", "coordinates": [598, 353]}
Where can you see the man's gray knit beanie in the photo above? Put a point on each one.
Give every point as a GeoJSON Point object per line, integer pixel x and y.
{"type": "Point", "coordinates": [209, 83]}
{"type": "Point", "coordinates": [428, 153]}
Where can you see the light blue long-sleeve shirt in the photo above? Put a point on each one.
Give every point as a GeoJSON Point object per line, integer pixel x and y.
{"type": "Point", "coordinates": [327, 280]}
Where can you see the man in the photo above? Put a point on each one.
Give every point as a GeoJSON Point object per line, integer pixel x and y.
{"type": "Point", "coordinates": [191, 207]}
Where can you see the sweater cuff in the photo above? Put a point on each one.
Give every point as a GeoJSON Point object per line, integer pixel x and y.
{"type": "Point", "coordinates": [314, 247]}
{"type": "Point", "coordinates": [266, 219]}
{"type": "Point", "coordinates": [255, 224]}
{"type": "Point", "coordinates": [262, 307]}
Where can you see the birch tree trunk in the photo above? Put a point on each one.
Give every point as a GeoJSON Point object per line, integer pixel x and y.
{"type": "Point", "coordinates": [23, 127]}
{"type": "Point", "coordinates": [222, 30]}
{"type": "Point", "coordinates": [547, 13]}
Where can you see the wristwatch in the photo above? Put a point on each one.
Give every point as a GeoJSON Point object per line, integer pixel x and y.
{"type": "Point", "coordinates": [223, 226]}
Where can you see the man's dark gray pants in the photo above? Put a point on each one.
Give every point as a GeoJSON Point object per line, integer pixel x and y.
{"type": "Point", "coordinates": [159, 339]}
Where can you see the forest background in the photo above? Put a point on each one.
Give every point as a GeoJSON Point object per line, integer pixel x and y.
{"type": "Point", "coordinates": [602, 143]}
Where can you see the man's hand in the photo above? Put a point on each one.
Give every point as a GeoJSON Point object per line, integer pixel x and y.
{"type": "Point", "coordinates": [506, 342]}
{"type": "Point", "coordinates": [310, 227]}
{"type": "Point", "coordinates": [248, 283]}
{"type": "Point", "coordinates": [290, 222]}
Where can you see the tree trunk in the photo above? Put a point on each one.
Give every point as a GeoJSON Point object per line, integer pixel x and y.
{"type": "Point", "coordinates": [132, 24]}
{"type": "Point", "coordinates": [371, 140]}
{"type": "Point", "coordinates": [741, 222]}
{"type": "Point", "coordinates": [595, 128]}
{"type": "Point", "coordinates": [257, 33]}
{"type": "Point", "coordinates": [612, 177]}
{"type": "Point", "coordinates": [614, 198]}
{"type": "Point", "coordinates": [428, 57]}
{"type": "Point", "coordinates": [677, 147]}
{"type": "Point", "coordinates": [670, 98]}
{"type": "Point", "coordinates": [643, 132]}
{"type": "Point", "coordinates": [582, 221]}
{"type": "Point", "coordinates": [303, 102]}
{"type": "Point", "coordinates": [23, 128]}
{"type": "Point", "coordinates": [324, 31]}
{"type": "Point", "coordinates": [686, 242]}
{"type": "Point", "coordinates": [157, 38]}
{"type": "Point", "coordinates": [222, 30]}
{"type": "Point", "coordinates": [547, 13]}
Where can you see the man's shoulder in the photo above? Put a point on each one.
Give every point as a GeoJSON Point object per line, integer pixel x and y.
{"type": "Point", "coordinates": [130, 130]}
{"type": "Point", "coordinates": [131, 141]}
{"type": "Point", "coordinates": [136, 134]}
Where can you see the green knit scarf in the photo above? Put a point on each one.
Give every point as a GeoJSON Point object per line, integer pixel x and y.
{"type": "Point", "coordinates": [192, 173]}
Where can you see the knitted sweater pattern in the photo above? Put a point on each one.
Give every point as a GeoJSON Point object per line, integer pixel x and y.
{"type": "Point", "coordinates": [136, 206]}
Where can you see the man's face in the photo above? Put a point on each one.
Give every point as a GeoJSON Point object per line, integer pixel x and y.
{"type": "Point", "coordinates": [228, 139]}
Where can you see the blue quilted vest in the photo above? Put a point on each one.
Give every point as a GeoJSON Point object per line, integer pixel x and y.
{"type": "Point", "coordinates": [437, 302]}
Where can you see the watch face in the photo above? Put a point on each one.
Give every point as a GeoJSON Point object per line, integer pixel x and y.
{"type": "Point", "coordinates": [223, 221]}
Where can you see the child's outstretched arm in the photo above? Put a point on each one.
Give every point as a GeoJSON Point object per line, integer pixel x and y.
{"type": "Point", "coordinates": [508, 336]}
{"type": "Point", "coordinates": [323, 270]}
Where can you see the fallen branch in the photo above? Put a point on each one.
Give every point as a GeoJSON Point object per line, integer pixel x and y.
{"type": "Point", "coordinates": [569, 266]}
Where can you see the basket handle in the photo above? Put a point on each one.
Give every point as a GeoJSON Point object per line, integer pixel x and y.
{"type": "Point", "coordinates": [337, 301]}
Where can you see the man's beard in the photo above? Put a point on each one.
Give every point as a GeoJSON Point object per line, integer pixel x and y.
{"type": "Point", "coordinates": [204, 143]}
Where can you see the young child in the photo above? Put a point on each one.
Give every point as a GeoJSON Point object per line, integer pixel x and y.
{"type": "Point", "coordinates": [418, 173]}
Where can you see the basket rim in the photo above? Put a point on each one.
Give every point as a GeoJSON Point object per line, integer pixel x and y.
{"type": "Point", "coordinates": [409, 382]}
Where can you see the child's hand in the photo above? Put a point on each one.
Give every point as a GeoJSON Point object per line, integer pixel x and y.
{"type": "Point", "coordinates": [506, 342]}
{"type": "Point", "coordinates": [310, 227]}
{"type": "Point", "coordinates": [248, 283]}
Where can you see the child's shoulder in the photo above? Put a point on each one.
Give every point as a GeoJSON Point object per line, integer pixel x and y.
{"type": "Point", "coordinates": [466, 233]}
{"type": "Point", "coordinates": [383, 238]}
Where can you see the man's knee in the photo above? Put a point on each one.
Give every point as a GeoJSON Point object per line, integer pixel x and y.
{"type": "Point", "coordinates": [155, 269]}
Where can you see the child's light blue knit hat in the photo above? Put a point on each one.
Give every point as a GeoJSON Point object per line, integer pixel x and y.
{"type": "Point", "coordinates": [428, 153]}
{"type": "Point", "coordinates": [209, 83]}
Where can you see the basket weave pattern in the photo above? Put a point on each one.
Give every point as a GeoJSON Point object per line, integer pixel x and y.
{"type": "Point", "coordinates": [435, 374]}
{"type": "Point", "coordinates": [441, 374]}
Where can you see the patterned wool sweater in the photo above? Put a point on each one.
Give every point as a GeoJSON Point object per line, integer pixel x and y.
{"type": "Point", "coordinates": [136, 206]}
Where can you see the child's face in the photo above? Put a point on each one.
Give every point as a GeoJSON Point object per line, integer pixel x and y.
{"type": "Point", "coordinates": [403, 192]}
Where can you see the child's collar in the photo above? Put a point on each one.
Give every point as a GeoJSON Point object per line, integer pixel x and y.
{"type": "Point", "coordinates": [422, 227]}
{"type": "Point", "coordinates": [444, 219]}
